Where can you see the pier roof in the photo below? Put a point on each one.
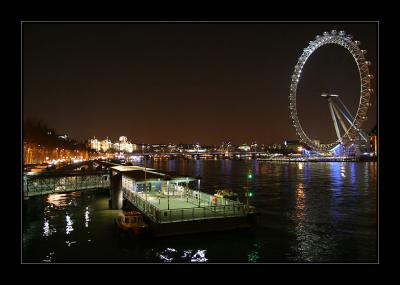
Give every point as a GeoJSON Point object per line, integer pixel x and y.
{"type": "Point", "coordinates": [124, 168]}
{"type": "Point", "coordinates": [138, 174]}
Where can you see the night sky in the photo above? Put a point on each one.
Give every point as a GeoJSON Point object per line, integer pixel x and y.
{"type": "Point", "coordinates": [188, 82]}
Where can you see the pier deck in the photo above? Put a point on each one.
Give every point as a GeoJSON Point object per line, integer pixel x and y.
{"type": "Point", "coordinates": [170, 206]}
{"type": "Point", "coordinates": [186, 216]}
{"type": "Point", "coordinates": [175, 202]}
{"type": "Point", "coordinates": [190, 206]}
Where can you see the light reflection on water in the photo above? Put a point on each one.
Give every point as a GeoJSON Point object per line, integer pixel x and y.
{"type": "Point", "coordinates": [199, 256]}
{"type": "Point", "coordinates": [69, 223]}
{"type": "Point", "coordinates": [254, 254]}
{"type": "Point", "coordinates": [187, 255]}
{"type": "Point", "coordinates": [46, 228]}
{"type": "Point", "coordinates": [87, 217]}
{"type": "Point", "coordinates": [309, 212]}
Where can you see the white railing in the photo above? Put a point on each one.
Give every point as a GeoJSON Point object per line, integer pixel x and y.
{"type": "Point", "coordinates": [205, 208]}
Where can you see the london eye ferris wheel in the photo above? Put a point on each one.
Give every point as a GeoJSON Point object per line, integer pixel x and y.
{"type": "Point", "coordinates": [347, 126]}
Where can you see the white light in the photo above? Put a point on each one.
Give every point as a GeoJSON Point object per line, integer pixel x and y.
{"type": "Point", "coordinates": [199, 256]}
{"type": "Point", "coordinates": [87, 218]}
{"type": "Point", "coordinates": [69, 227]}
{"type": "Point", "coordinates": [46, 228]}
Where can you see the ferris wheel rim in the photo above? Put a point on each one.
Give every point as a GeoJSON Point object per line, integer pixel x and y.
{"type": "Point", "coordinates": [346, 41]}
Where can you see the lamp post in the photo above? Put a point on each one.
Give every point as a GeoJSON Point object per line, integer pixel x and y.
{"type": "Point", "coordinates": [187, 188]}
{"type": "Point", "coordinates": [145, 180]}
{"type": "Point", "coordinates": [168, 193]}
{"type": "Point", "coordinates": [167, 178]}
{"type": "Point", "coordinates": [198, 187]}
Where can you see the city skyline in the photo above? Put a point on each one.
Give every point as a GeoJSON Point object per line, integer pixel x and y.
{"type": "Point", "coordinates": [184, 83]}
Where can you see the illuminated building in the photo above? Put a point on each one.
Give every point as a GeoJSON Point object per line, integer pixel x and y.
{"type": "Point", "coordinates": [171, 147]}
{"type": "Point", "coordinates": [196, 148]}
{"type": "Point", "coordinates": [106, 144]}
{"type": "Point", "coordinates": [254, 146]}
{"type": "Point", "coordinates": [244, 147]}
{"type": "Point", "coordinates": [226, 147]}
{"type": "Point", "coordinates": [124, 145]}
{"type": "Point", "coordinates": [95, 144]}
{"type": "Point", "coordinates": [373, 144]}
{"type": "Point", "coordinates": [373, 141]}
{"type": "Point", "coordinates": [293, 145]}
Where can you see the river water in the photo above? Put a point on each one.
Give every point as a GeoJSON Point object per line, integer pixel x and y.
{"type": "Point", "coordinates": [310, 212]}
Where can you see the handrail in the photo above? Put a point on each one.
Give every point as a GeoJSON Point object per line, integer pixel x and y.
{"type": "Point", "coordinates": [233, 209]}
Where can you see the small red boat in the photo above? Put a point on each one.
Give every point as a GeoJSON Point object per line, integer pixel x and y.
{"type": "Point", "coordinates": [131, 222]}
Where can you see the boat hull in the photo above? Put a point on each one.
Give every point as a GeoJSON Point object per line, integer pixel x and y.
{"type": "Point", "coordinates": [134, 229]}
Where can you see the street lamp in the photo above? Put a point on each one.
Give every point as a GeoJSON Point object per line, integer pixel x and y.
{"type": "Point", "coordinates": [187, 188]}
{"type": "Point", "coordinates": [198, 178]}
{"type": "Point", "coordinates": [167, 178]}
{"type": "Point", "coordinates": [145, 172]}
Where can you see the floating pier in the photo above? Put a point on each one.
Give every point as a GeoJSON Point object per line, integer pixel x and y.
{"type": "Point", "coordinates": [171, 207]}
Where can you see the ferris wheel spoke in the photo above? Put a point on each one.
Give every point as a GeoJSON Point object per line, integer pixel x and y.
{"type": "Point", "coordinates": [348, 115]}
{"type": "Point", "coordinates": [346, 130]}
{"type": "Point", "coordinates": [335, 122]}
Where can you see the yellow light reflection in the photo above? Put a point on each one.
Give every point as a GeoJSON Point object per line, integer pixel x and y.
{"type": "Point", "coordinates": [57, 200]}
{"type": "Point", "coordinates": [300, 199]}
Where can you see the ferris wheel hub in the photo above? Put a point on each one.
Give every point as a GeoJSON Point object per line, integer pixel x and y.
{"type": "Point", "coordinates": [327, 95]}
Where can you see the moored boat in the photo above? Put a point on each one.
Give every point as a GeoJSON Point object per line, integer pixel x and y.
{"type": "Point", "coordinates": [131, 222]}
{"type": "Point", "coordinates": [225, 194]}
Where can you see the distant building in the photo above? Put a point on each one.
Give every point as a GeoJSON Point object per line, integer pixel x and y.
{"type": "Point", "coordinates": [123, 145]}
{"type": "Point", "coordinates": [244, 147]}
{"type": "Point", "coordinates": [373, 141]}
{"type": "Point", "coordinates": [95, 144]}
{"type": "Point", "coordinates": [254, 146]}
{"type": "Point", "coordinates": [106, 145]}
{"type": "Point", "coordinates": [275, 146]}
{"type": "Point", "coordinates": [196, 148]}
{"type": "Point", "coordinates": [172, 147]}
{"type": "Point", "coordinates": [226, 147]}
{"type": "Point", "coordinates": [293, 145]}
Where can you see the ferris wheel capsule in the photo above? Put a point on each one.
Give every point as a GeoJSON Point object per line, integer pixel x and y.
{"type": "Point", "coordinates": [342, 33]}
{"type": "Point", "coordinates": [364, 51]}
{"type": "Point", "coordinates": [370, 76]}
{"type": "Point", "coordinates": [357, 43]}
{"type": "Point", "coordinates": [333, 32]}
{"type": "Point", "coordinates": [325, 34]}
{"type": "Point", "coordinates": [368, 63]}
